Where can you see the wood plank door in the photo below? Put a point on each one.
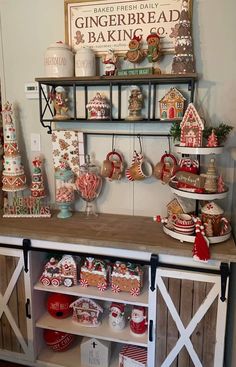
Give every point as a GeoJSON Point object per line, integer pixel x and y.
{"type": "Point", "coordinates": [191, 319]}
{"type": "Point", "coordinates": [15, 326]}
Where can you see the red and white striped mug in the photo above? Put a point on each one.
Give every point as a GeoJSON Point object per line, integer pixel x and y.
{"type": "Point", "coordinates": [140, 168]}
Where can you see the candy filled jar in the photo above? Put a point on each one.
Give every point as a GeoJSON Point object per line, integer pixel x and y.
{"type": "Point", "coordinates": [64, 190]}
{"type": "Point", "coordinates": [89, 184]}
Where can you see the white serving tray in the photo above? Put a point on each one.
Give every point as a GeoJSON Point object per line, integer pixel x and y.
{"type": "Point", "coordinates": [190, 238]}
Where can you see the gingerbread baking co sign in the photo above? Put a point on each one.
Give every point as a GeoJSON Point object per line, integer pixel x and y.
{"type": "Point", "coordinates": [102, 25]}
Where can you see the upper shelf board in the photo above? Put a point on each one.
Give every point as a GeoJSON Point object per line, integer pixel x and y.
{"type": "Point", "coordinates": [107, 80]}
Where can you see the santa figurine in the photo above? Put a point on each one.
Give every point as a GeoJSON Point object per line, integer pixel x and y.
{"type": "Point", "coordinates": [138, 322]}
{"type": "Point", "coordinates": [117, 316]}
{"type": "Point", "coordinates": [110, 63]}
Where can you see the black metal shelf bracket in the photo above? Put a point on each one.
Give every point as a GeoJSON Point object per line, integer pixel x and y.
{"type": "Point", "coordinates": [225, 273]}
{"type": "Point", "coordinates": [154, 262]}
{"type": "Point", "coordinates": [26, 247]}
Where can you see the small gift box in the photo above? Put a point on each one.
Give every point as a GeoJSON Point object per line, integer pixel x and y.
{"type": "Point", "coordinates": [132, 356]}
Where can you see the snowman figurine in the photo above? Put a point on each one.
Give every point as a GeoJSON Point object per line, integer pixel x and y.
{"type": "Point", "coordinates": [117, 316]}
{"type": "Point", "coordinates": [138, 321]}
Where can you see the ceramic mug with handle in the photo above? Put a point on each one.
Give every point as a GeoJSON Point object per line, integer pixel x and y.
{"type": "Point", "coordinates": [166, 168]}
{"type": "Point", "coordinates": [112, 166]}
{"type": "Point", "coordinates": [140, 168]}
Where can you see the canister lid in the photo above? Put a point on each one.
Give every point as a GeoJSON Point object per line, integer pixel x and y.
{"type": "Point", "coordinates": [85, 49]}
{"type": "Point", "coordinates": [59, 44]}
{"type": "Point", "coordinates": [212, 209]}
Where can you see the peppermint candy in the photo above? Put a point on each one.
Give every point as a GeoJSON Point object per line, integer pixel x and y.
{"type": "Point", "coordinates": [55, 282]}
{"type": "Point", "coordinates": [115, 288]}
{"type": "Point", "coordinates": [102, 286]}
{"type": "Point", "coordinates": [45, 281]}
{"type": "Point", "coordinates": [84, 283]}
{"type": "Point", "coordinates": [135, 292]}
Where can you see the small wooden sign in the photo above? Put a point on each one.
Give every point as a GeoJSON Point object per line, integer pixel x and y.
{"type": "Point", "coordinates": [30, 207]}
{"type": "Point", "coordinates": [138, 71]}
{"type": "Point", "coordinates": [187, 179]}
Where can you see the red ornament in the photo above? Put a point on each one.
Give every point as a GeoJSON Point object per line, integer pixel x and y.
{"type": "Point", "coordinates": [58, 341]}
{"type": "Point", "coordinates": [58, 305]}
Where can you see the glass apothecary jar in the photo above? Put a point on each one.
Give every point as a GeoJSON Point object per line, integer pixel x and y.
{"type": "Point", "coordinates": [65, 197]}
{"type": "Point", "coordinates": [89, 184]}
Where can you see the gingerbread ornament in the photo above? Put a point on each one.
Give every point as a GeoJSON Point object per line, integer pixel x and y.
{"type": "Point", "coordinates": [153, 51]}
{"type": "Point", "coordinates": [135, 54]}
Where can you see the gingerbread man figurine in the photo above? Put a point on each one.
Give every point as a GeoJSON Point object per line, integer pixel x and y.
{"type": "Point", "coordinates": [135, 54]}
{"type": "Point", "coordinates": [153, 52]}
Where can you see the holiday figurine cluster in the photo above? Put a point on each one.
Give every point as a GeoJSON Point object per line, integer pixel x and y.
{"type": "Point", "coordinates": [207, 224]}
{"type": "Point", "coordinates": [118, 276]}
{"type": "Point", "coordinates": [87, 313]}
{"type": "Point", "coordinates": [18, 203]}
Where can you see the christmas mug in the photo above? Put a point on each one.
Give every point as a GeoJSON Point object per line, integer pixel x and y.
{"type": "Point", "coordinates": [112, 166]}
{"type": "Point", "coordinates": [140, 168]}
{"type": "Point", "coordinates": [184, 224]}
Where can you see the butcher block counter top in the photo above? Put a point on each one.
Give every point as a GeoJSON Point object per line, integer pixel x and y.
{"type": "Point", "coordinates": [108, 230]}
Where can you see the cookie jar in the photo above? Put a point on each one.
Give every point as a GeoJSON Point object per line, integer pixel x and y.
{"type": "Point", "coordinates": [59, 61]}
{"type": "Point", "coordinates": [85, 63]}
{"type": "Point", "coordinates": [88, 185]}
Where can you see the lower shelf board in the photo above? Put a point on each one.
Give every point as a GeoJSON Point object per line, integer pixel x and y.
{"type": "Point", "coordinates": [71, 357]}
{"type": "Point", "coordinates": [103, 331]}
{"type": "Point", "coordinates": [93, 292]}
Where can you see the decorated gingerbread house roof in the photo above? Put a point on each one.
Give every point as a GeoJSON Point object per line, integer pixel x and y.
{"type": "Point", "coordinates": [172, 94]}
{"type": "Point", "coordinates": [86, 304]}
{"type": "Point", "coordinates": [180, 205]}
{"type": "Point", "coordinates": [127, 269]}
{"type": "Point", "coordinates": [94, 265]}
{"type": "Point", "coordinates": [191, 127]}
{"type": "Point", "coordinates": [192, 118]}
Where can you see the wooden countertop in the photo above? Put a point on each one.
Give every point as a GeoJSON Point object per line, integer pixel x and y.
{"type": "Point", "coordinates": [107, 230]}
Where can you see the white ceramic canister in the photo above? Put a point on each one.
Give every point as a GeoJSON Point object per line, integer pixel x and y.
{"type": "Point", "coordinates": [85, 63]}
{"type": "Point", "coordinates": [59, 61]}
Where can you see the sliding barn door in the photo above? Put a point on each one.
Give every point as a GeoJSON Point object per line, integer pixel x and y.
{"type": "Point", "coordinates": [15, 314]}
{"type": "Point", "coordinates": [191, 319]}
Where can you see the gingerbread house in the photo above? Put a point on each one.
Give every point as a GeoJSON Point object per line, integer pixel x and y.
{"type": "Point", "coordinates": [95, 272]}
{"type": "Point", "coordinates": [192, 127]}
{"type": "Point", "coordinates": [127, 277]}
{"type": "Point", "coordinates": [86, 312]}
{"type": "Point", "coordinates": [98, 108]}
{"type": "Point", "coordinates": [172, 105]}
{"type": "Point", "coordinates": [180, 205]}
